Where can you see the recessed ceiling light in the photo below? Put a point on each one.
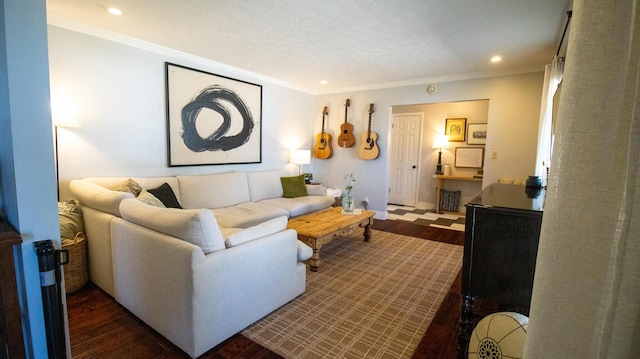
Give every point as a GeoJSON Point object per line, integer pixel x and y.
{"type": "Point", "coordinates": [114, 11]}
{"type": "Point", "coordinates": [324, 82]}
{"type": "Point", "coordinates": [496, 59]}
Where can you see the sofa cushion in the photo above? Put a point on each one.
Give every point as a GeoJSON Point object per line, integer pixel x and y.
{"type": "Point", "coordinates": [148, 198]}
{"type": "Point", "coordinates": [196, 226]}
{"type": "Point", "coordinates": [300, 205]}
{"type": "Point", "coordinates": [165, 194]}
{"type": "Point", "coordinates": [265, 184]}
{"type": "Point", "coordinates": [227, 231]}
{"type": "Point", "coordinates": [258, 231]}
{"type": "Point", "coordinates": [214, 191]}
{"type": "Point", "coordinates": [293, 186]}
{"type": "Point", "coordinates": [247, 214]}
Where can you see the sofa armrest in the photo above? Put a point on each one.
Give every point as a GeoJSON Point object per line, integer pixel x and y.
{"type": "Point", "coordinates": [97, 197]}
{"type": "Point", "coordinates": [316, 190]}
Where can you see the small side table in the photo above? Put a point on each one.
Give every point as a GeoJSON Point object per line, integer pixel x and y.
{"type": "Point", "coordinates": [442, 178]}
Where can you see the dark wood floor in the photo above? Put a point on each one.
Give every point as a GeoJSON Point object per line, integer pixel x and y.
{"type": "Point", "coordinates": [101, 328]}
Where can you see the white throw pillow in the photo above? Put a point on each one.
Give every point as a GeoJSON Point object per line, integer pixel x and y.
{"type": "Point", "coordinates": [196, 226]}
{"type": "Point", "coordinates": [146, 197]}
{"type": "Point", "coordinates": [258, 231]}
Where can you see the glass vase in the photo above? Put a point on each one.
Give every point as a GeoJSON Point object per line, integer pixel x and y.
{"type": "Point", "coordinates": [348, 204]}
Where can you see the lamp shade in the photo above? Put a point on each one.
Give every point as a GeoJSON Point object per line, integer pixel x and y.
{"type": "Point", "coordinates": [62, 110]}
{"type": "Point", "coordinates": [441, 141]}
{"type": "Point", "coordinates": [300, 157]}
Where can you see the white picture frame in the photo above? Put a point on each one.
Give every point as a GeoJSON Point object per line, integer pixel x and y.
{"type": "Point", "coordinates": [476, 133]}
{"type": "Point", "coordinates": [469, 157]}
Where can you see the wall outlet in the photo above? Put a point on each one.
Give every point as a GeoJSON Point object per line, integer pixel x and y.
{"type": "Point", "coordinates": [494, 154]}
{"type": "Point", "coordinates": [365, 203]}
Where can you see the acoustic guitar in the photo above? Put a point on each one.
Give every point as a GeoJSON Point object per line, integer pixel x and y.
{"type": "Point", "coordinates": [369, 149]}
{"type": "Point", "coordinates": [323, 149]}
{"type": "Point", "coordinates": [346, 138]}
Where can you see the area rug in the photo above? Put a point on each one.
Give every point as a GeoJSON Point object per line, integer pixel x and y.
{"type": "Point", "coordinates": [368, 299]}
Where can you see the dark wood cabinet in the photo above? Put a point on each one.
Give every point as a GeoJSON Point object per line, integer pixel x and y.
{"type": "Point", "coordinates": [502, 232]}
{"type": "Point", "coordinates": [11, 342]}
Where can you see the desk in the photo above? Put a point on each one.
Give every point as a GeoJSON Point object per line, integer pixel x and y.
{"type": "Point", "coordinates": [442, 179]}
{"type": "Point", "coordinates": [502, 231]}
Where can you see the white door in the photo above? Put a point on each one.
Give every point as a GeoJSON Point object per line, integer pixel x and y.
{"type": "Point", "coordinates": [406, 134]}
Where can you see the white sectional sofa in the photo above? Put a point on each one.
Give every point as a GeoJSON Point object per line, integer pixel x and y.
{"type": "Point", "coordinates": [202, 273]}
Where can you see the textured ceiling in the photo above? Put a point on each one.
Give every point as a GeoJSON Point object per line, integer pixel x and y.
{"type": "Point", "coordinates": [350, 44]}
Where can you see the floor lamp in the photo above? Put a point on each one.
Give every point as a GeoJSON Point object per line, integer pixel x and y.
{"type": "Point", "coordinates": [440, 142]}
{"type": "Point", "coordinates": [300, 157]}
{"type": "Point", "coordinates": [65, 123]}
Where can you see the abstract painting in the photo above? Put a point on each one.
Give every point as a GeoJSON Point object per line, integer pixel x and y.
{"type": "Point", "coordinates": [211, 119]}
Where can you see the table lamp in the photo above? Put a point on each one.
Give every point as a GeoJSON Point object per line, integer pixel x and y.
{"type": "Point", "coordinates": [300, 157]}
{"type": "Point", "coordinates": [440, 142]}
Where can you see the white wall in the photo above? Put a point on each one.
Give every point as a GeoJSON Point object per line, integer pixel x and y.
{"type": "Point", "coordinates": [117, 92]}
{"type": "Point", "coordinates": [514, 108]}
{"type": "Point", "coordinates": [118, 89]}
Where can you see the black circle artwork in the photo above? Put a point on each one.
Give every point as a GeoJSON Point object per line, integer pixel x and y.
{"type": "Point", "coordinates": [211, 98]}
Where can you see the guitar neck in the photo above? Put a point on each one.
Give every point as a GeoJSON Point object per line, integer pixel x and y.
{"type": "Point", "coordinates": [324, 113]}
{"type": "Point", "coordinates": [346, 107]}
{"type": "Point", "coordinates": [369, 129]}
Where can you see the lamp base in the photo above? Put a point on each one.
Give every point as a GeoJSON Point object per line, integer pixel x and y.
{"type": "Point", "coordinates": [439, 165]}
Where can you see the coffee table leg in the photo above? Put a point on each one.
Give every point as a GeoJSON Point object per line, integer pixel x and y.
{"type": "Point", "coordinates": [367, 232]}
{"type": "Point", "coordinates": [314, 261]}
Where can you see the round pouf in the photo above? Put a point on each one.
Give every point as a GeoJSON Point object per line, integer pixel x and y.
{"type": "Point", "coordinates": [499, 335]}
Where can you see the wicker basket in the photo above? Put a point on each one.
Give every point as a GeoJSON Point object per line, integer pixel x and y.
{"type": "Point", "coordinates": [76, 274]}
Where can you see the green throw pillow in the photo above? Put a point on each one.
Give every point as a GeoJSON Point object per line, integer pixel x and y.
{"type": "Point", "coordinates": [293, 186]}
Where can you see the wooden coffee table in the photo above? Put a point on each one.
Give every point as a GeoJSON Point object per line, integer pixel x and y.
{"type": "Point", "coordinates": [319, 228]}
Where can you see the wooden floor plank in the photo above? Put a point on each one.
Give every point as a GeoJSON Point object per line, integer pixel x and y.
{"type": "Point", "coordinates": [101, 328]}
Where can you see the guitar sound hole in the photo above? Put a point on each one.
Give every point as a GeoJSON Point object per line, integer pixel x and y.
{"type": "Point", "coordinates": [345, 132]}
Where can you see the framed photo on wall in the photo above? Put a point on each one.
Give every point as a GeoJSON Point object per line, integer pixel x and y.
{"type": "Point", "coordinates": [477, 134]}
{"type": "Point", "coordinates": [469, 157]}
{"type": "Point", "coordinates": [455, 128]}
{"type": "Point", "coordinates": [211, 119]}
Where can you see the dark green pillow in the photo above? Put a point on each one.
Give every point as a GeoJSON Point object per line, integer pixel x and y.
{"type": "Point", "coordinates": [293, 186]}
{"type": "Point", "coordinates": [165, 194]}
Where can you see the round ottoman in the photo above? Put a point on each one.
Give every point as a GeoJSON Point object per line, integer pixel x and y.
{"type": "Point", "coordinates": [499, 335]}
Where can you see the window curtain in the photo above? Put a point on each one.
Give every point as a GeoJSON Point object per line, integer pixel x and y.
{"type": "Point", "coordinates": [586, 293]}
{"type": "Point", "coordinates": [552, 77]}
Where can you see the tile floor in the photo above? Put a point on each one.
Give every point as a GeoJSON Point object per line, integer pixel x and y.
{"type": "Point", "coordinates": [426, 217]}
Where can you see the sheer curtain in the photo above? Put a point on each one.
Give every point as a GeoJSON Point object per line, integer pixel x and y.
{"type": "Point", "coordinates": [552, 77]}
{"type": "Point", "coordinates": [586, 293]}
